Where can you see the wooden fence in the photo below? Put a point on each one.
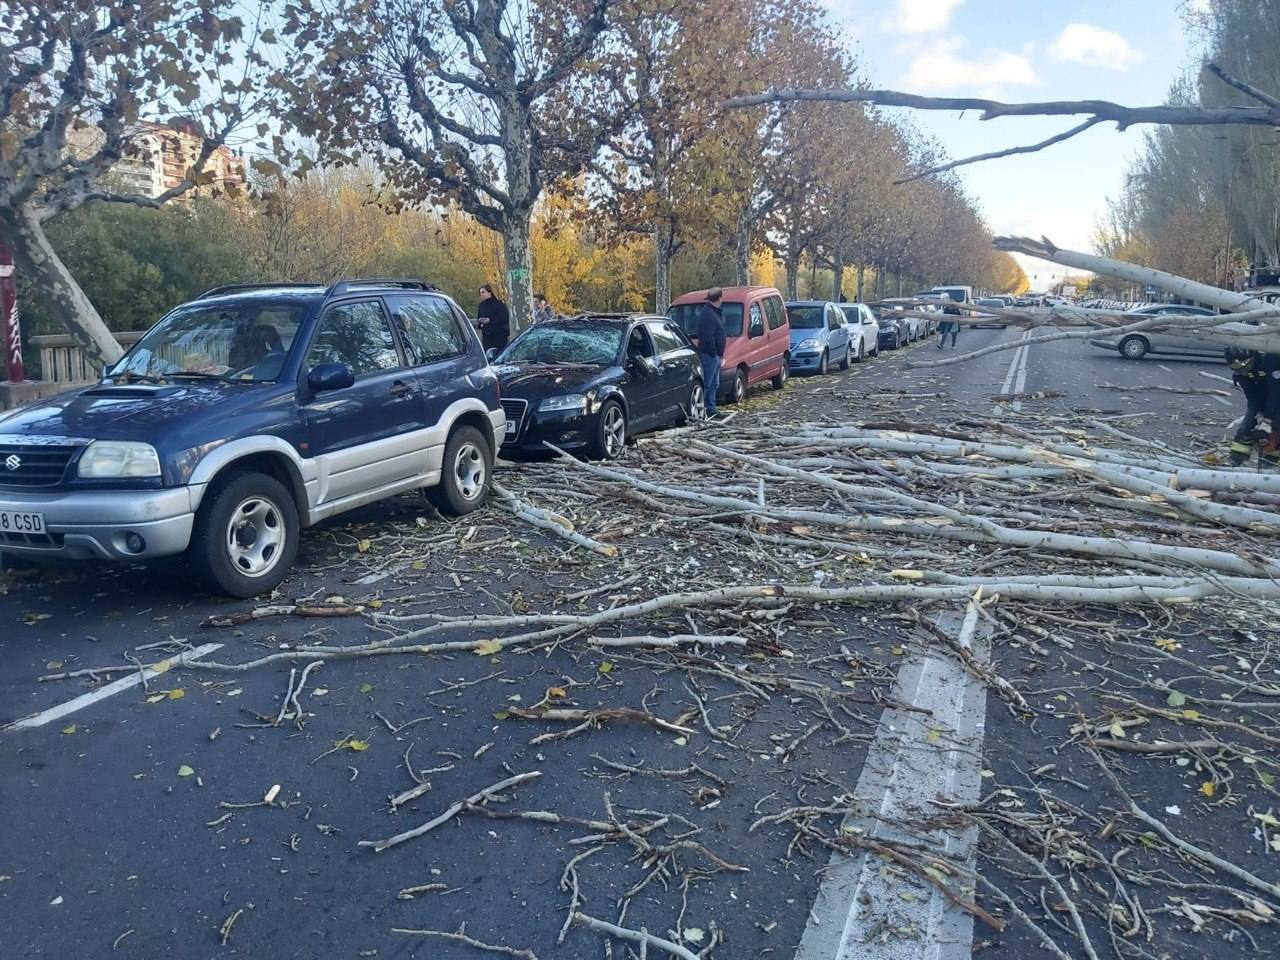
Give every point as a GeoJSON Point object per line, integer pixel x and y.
{"type": "Point", "coordinates": [62, 362]}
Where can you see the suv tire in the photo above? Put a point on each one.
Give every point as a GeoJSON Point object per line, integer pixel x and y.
{"type": "Point", "coordinates": [780, 378]}
{"type": "Point", "coordinates": [1134, 348]}
{"type": "Point", "coordinates": [246, 535]}
{"type": "Point", "coordinates": [466, 473]}
{"type": "Point", "coordinates": [611, 431]}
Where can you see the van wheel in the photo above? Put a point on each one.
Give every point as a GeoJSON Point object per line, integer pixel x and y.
{"type": "Point", "coordinates": [465, 474]}
{"type": "Point", "coordinates": [246, 535]}
{"type": "Point", "coordinates": [738, 390]}
{"type": "Point", "coordinates": [1134, 348]}
{"type": "Point", "coordinates": [784, 373]}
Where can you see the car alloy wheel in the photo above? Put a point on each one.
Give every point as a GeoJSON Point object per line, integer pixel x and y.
{"type": "Point", "coordinates": [822, 362]}
{"type": "Point", "coordinates": [697, 403]}
{"type": "Point", "coordinates": [470, 468]}
{"type": "Point", "coordinates": [255, 533]}
{"type": "Point", "coordinates": [615, 431]}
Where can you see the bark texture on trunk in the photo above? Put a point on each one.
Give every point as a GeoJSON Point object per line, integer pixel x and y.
{"type": "Point", "coordinates": [837, 276]}
{"type": "Point", "coordinates": [36, 257]}
{"type": "Point", "coordinates": [862, 279]}
{"type": "Point", "coordinates": [519, 259]}
{"type": "Point", "coordinates": [742, 248]}
{"type": "Point", "coordinates": [663, 251]}
{"type": "Point", "coordinates": [792, 266]}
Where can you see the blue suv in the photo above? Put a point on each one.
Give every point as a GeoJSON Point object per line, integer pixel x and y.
{"type": "Point", "coordinates": [248, 414]}
{"type": "Point", "coordinates": [819, 336]}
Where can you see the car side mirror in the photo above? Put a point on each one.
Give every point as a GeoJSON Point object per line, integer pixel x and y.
{"type": "Point", "coordinates": [491, 354]}
{"type": "Point", "coordinates": [330, 376]}
{"type": "Point", "coordinates": [644, 365]}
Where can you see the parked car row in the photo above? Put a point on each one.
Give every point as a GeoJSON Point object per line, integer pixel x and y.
{"type": "Point", "coordinates": [255, 411]}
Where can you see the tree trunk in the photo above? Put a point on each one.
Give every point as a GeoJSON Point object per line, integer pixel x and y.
{"type": "Point", "coordinates": [519, 259]}
{"type": "Point", "coordinates": [837, 276]}
{"type": "Point", "coordinates": [742, 248]}
{"type": "Point", "coordinates": [792, 266]}
{"type": "Point", "coordinates": [36, 257]}
{"type": "Point", "coordinates": [862, 278]}
{"type": "Point", "coordinates": [663, 247]}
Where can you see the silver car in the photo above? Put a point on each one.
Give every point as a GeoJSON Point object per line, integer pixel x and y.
{"type": "Point", "coordinates": [1135, 346]}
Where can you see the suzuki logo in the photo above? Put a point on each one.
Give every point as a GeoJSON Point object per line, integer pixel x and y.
{"type": "Point", "coordinates": [13, 461]}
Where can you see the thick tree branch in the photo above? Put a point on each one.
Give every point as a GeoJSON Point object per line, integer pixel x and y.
{"type": "Point", "coordinates": [995, 155]}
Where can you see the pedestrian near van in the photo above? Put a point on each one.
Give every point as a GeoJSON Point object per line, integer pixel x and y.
{"type": "Point", "coordinates": [542, 311]}
{"type": "Point", "coordinates": [948, 326]}
{"type": "Point", "coordinates": [711, 346]}
{"type": "Point", "coordinates": [494, 320]}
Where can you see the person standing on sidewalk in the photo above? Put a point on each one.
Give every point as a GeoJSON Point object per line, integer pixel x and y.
{"type": "Point", "coordinates": [711, 346]}
{"type": "Point", "coordinates": [494, 320]}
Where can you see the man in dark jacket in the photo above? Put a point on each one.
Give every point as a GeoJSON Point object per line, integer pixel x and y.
{"type": "Point", "coordinates": [494, 320]}
{"type": "Point", "coordinates": [711, 346]}
{"type": "Point", "coordinates": [1258, 377]}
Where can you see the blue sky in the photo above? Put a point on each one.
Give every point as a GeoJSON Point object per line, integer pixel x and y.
{"type": "Point", "coordinates": [1128, 51]}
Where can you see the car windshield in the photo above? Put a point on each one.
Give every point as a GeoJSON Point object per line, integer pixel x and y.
{"type": "Point", "coordinates": [236, 342]}
{"type": "Point", "coordinates": [591, 343]}
{"type": "Point", "coordinates": [685, 316]}
{"type": "Point", "coordinates": [806, 318]}
{"type": "Point", "coordinates": [852, 314]}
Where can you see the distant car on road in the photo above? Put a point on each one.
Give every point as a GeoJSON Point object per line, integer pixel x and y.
{"type": "Point", "coordinates": [590, 382]}
{"type": "Point", "coordinates": [819, 336]}
{"type": "Point", "coordinates": [1135, 346]}
{"type": "Point", "coordinates": [990, 323]}
{"type": "Point", "coordinates": [757, 339]}
{"type": "Point", "coordinates": [864, 329]}
{"type": "Point", "coordinates": [248, 414]}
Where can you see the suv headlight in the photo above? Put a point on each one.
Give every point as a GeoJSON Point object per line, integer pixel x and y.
{"type": "Point", "coordinates": [119, 458]}
{"type": "Point", "coordinates": [572, 401]}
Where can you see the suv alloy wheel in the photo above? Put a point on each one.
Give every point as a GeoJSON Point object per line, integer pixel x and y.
{"type": "Point", "coordinates": [246, 535]}
{"type": "Point", "coordinates": [465, 473]}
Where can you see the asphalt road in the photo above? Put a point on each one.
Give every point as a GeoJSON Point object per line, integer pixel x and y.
{"type": "Point", "coordinates": [132, 826]}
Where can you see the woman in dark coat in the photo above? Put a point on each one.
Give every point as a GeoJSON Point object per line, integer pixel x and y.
{"type": "Point", "coordinates": [494, 320]}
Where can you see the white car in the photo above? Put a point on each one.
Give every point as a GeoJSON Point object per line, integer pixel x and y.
{"type": "Point", "coordinates": [864, 330]}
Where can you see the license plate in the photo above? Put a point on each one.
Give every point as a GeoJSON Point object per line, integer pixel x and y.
{"type": "Point", "coordinates": [511, 428]}
{"type": "Point", "coordinates": [13, 521]}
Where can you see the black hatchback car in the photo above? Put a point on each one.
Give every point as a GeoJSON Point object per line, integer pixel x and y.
{"type": "Point", "coordinates": [590, 382]}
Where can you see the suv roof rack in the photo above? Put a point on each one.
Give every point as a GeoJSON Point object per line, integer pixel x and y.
{"type": "Point", "coordinates": [228, 288]}
{"type": "Point", "coordinates": [346, 286]}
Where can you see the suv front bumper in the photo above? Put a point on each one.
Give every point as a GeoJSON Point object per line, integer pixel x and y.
{"type": "Point", "coordinates": [88, 524]}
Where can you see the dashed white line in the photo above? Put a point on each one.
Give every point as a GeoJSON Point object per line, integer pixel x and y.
{"type": "Point", "coordinates": [1015, 379]}
{"type": "Point", "coordinates": [111, 689]}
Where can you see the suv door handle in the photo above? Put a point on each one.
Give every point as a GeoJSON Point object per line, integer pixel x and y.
{"type": "Point", "coordinates": [401, 389]}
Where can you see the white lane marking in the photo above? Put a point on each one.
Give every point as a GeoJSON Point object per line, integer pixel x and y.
{"type": "Point", "coordinates": [1015, 378]}
{"type": "Point", "coordinates": [110, 690]}
{"type": "Point", "coordinates": [905, 769]}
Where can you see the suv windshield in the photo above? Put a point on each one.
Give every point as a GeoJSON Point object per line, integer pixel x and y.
{"type": "Point", "coordinates": [807, 318]}
{"type": "Point", "coordinates": [595, 344]}
{"type": "Point", "coordinates": [685, 316]}
{"type": "Point", "coordinates": [243, 342]}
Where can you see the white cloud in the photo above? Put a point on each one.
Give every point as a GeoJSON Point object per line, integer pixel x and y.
{"type": "Point", "coordinates": [1095, 47]}
{"type": "Point", "coordinates": [920, 16]}
{"type": "Point", "coordinates": [939, 65]}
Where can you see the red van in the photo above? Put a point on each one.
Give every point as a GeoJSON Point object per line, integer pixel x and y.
{"type": "Point", "coordinates": [757, 336]}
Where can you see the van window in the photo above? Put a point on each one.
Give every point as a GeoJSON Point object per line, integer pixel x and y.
{"type": "Point", "coordinates": [777, 315]}
{"type": "Point", "coordinates": [685, 316]}
{"type": "Point", "coordinates": [756, 329]}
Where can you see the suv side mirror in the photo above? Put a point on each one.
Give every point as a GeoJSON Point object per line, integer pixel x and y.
{"type": "Point", "coordinates": [330, 376]}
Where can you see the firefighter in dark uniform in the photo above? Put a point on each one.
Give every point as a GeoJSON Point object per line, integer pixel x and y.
{"type": "Point", "coordinates": [1258, 377]}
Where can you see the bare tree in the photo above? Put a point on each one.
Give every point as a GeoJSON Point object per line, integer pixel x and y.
{"type": "Point", "coordinates": [484, 103]}
{"type": "Point", "coordinates": [77, 82]}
